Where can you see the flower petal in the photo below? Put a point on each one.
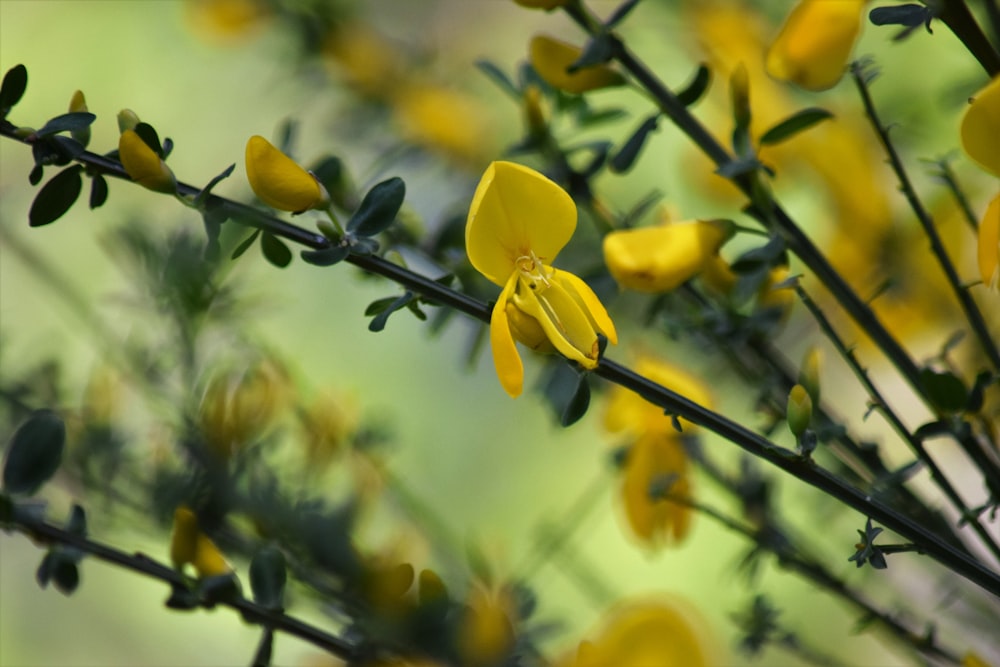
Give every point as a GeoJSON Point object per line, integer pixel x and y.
{"type": "Point", "coordinates": [506, 360]}
{"type": "Point", "coordinates": [981, 128]}
{"type": "Point", "coordinates": [563, 319]}
{"type": "Point", "coordinates": [143, 165]}
{"type": "Point", "coordinates": [551, 58]}
{"type": "Point", "coordinates": [650, 459]}
{"type": "Point", "coordinates": [989, 245]}
{"type": "Point", "coordinates": [514, 212]}
{"type": "Point", "coordinates": [659, 259]}
{"type": "Point", "coordinates": [589, 302]}
{"type": "Point", "coordinates": [815, 42]}
{"type": "Point", "coordinates": [278, 181]}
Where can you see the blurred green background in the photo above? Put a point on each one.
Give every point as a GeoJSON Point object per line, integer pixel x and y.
{"type": "Point", "coordinates": [494, 469]}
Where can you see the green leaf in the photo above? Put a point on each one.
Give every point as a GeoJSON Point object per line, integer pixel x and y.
{"type": "Point", "coordinates": [219, 588]}
{"type": "Point", "coordinates": [699, 84]}
{"type": "Point", "coordinates": [15, 81]}
{"type": "Point", "coordinates": [623, 160]}
{"type": "Point", "coordinates": [797, 122]}
{"type": "Point", "coordinates": [268, 577]}
{"type": "Point", "coordinates": [944, 390]}
{"type": "Point", "coordinates": [37, 172]}
{"type": "Point", "coordinates": [911, 15]}
{"type": "Point", "coordinates": [243, 247]}
{"type": "Point", "coordinates": [379, 208]}
{"type": "Point", "coordinates": [262, 658]}
{"type": "Point", "coordinates": [74, 120]}
{"type": "Point", "coordinates": [182, 598]}
{"type": "Point", "coordinates": [98, 191]}
{"type": "Point", "coordinates": [579, 402]}
{"type": "Point", "coordinates": [326, 256]}
{"type": "Point", "coordinates": [497, 76]}
{"type": "Point", "coordinates": [599, 50]}
{"type": "Point", "coordinates": [199, 200]}
{"type": "Point", "coordinates": [333, 175]}
{"type": "Point", "coordinates": [77, 523]}
{"type": "Point", "coordinates": [56, 197]}
{"type": "Point", "coordinates": [275, 251]}
{"type": "Point", "coordinates": [60, 567]}
{"type": "Point", "coordinates": [378, 322]}
{"type": "Point", "coordinates": [149, 136]}
{"type": "Point", "coordinates": [35, 453]}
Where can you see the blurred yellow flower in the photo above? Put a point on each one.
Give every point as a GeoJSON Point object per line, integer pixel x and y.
{"type": "Point", "coordinates": [661, 258]}
{"type": "Point", "coordinates": [485, 631]}
{"type": "Point", "coordinates": [238, 407]}
{"type": "Point", "coordinates": [225, 19]}
{"type": "Point", "coordinates": [143, 165]}
{"type": "Point", "coordinates": [518, 222]}
{"type": "Point", "coordinates": [981, 128]}
{"type": "Point", "coordinates": [278, 181]}
{"type": "Point", "coordinates": [989, 245]}
{"type": "Point", "coordinates": [188, 545]}
{"type": "Point", "coordinates": [815, 42]}
{"type": "Point", "coordinates": [365, 60]}
{"type": "Point", "coordinates": [327, 426]}
{"type": "Point", "coordinates": [770, 297]}
{"type": "Point", "coordinates": [655, 455]}
{"type": "Point", "coordinates": [642, 634]}
{"type": "Point", "coordinates": [551, 57]}
{"type": "Point", "coordinates": [440, 118]}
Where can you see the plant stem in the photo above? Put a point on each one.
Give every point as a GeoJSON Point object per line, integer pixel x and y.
{"type": "Point", "coordinates": [972, 313]}
{"type": "Point", "coordinates": [956, 15]}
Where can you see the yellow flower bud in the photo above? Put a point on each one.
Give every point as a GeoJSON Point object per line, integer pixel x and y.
{"type": "Point", "coordinates": [989, 245]}
{"type": "Point", "coordinates": [208, 560]}
{"type": "Point", "coordinates": [551, 58]}
{"type": "Point", "coordinates": [809, 373]}
{"type": "Point", "coordinates": [799, 410]}
{"type": "Point", "coordinates": [143, 165]}
{"type": "Point", "coordinates": [981, 128]}
{"type": "Point", "coordinates": [815, 42]}
{"type": "Point", "coordinates": [278, 181]}
{"type": "Point", "coordinates": [127, 120]}
{"type": "Point", "coordinates": [184, 537]}
{"type": "Point", "coordinates": [79, 103]}
{"type": "Point", "coordinates": [661, 258]}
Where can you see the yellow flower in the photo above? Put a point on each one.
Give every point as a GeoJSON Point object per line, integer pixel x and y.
{"type": "Point", "coordinates": [776, 299]}
{"type": "Point", "coordinates": [278, 181]}
{"type": "Point", "coordinates": [225, 19]}
{"type": "Point", "coordinates": [661, 258]}
{"type": "Point", "coordinates": [439, 118]}
{"type": "Point", "coordinates": [989, 245]}
{"type": "Point", "coordinates": [79, 103]}
{"type": "Point", "coordinates": [485, 631]}
{"type": "Point", "coordinates": [655, 454]}
{"type": "Point", "coordinates": [799, 410]}
{"type": "Point", "coordinates": [550, 58]}
{"type": "Point", "coordinates": [143, 164]}
{"type": "Point", "coordinates": [643, 634]}
{"type": "Point", "coordinates": [239, 407]}
{"type": "Point", "coordinates": [815, 42]}
{"type": "Point", "coordinates": [327, 426]}
{"type": "Point", "coordinates": [188, 545]}
{"type": "Point", "coordinates": [981, 128]}
{"type": "Point", "coordinates": [518, 222]}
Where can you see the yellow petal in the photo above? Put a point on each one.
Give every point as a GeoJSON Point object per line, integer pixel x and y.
{"type": "Point", "coordinates": [589, 303]}
{"type": "Point", "coordinates": [815, 42]}
{"type": "Point", "coordinates": [208, 560]}
{"type": "Point", "coordinates": [184, 537]}
{"type": "Point", "coordinates": [278, 181]}
{"type": "Point", "coordinates": [550, 58]}
{"type": "Point", "coordinates": [630, 413]}
{"type": "Point", "coordinates": [506, 360]}
{"type": "Point", "coordinates": [651, 458]}
{"type": "Point", "coordinates": [981, 128]}
{"type": "Point", "coordinates": [989, 245]}
{"type": "Point", "coordinates": [143, 165]}
{"type": "Point", "coordinates": [527, 330]}
{"type": "Point", "coordinates": [78, 102]}
{"type": "Point", "coordinates": [659, 259]}
{"type": "Point", "coordinates": [514, 212]}
{"type": "Point", "coordinates": [563, 319]}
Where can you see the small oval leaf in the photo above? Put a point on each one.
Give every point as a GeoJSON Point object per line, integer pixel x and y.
{"type": "Point", "coordinates": [56, 197]}
{"type": "Point", "coordinates": [75, 120]}
{"type": "Point", "coordinates": [326, 256]}
{"type": "Point", "coordinates": [944, 390]}
{"type": "Point", "coordinates": [699, 84]}
{"type": "Point", "coordinates": [268, 577]}
{"type": "Point", "coordinates": [379, 208]}
{"type": "Point", "coordinates": [623, 160]}
{"type": "Point", "coordinates": [275, 251]}
{"type": "Point", "coordinates": [35, 453]}
{"type": "Point", "coordinates": [243, 247]}
{"type": "Point", "coordinates": [98, 191]}
{"type": "Point", "coordinates": [15, 81]}
{"type": "Point", "coordinates": [797, 122]}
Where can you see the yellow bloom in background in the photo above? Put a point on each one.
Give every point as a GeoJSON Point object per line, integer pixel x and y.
{"type": "Point", "coordinates": [661, 258]}
{"type": "Point", "coordinates": [365, 60]}
{"type": "Point", "coordinates": [439, 118]}
{"type": "Point", "coordinates": [643, 634]}
{"type": "Point", "coordinates": [550, 57]}
{"type": "Point", "coordinates": [188, 545]}
{"type": "Point", "coordinates": [981, 128]}
{"type": "Point", "coordinates": [655, 454]}
{"type": "Point", "coordinates": [485, 632]}
{"type": "Point", "coordinates": [989, 245]}
{"type": "Point", "coordinates": [518, 222]}
{"type": "Point", "coordinates": [327, 427]}
{"type": "Point", "coordinates": [278, 181]}
{"type": "Point", "coordinates": [238, 407]}
{"type": "Point", "coordinates": [227, 20]}
{"type": "Point", "coordinates": [778, 299]}
{"type": "Point", "coordinates": [143, 165]}
{"type": "Point", "coordinates": [815, 43]}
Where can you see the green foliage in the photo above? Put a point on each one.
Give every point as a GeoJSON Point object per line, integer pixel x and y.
{"type": "Point", "coordinates": [15, 81]}
{"type": "Point", "coordinates": [56, 197]}
{"type": "Point", "coordinates": [35, 453]}
{"type": "Point", "coordinates": [378, 209]}
{"type": "Point", "coordinates": [267, 577]}
{"type": "Point", "coordinates": [797, 122]}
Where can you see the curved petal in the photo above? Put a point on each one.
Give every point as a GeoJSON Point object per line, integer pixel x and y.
{"type": "Point", "coordinates": [989, 245]}
{"type": "Point", "coordinates": [815, 42]}
{"type": "Point", "coordinates": [563, 320]}
{"type": "Point", "coordinates": [981, 128]}
{"type": "Point", "coordinates": [659, 259]}
{"type": "Point", "coordinates": [588, 301]}
{"type": "Point", "coordinates": [506, 360]}
{"type": "Point", "coordinates": [278, 180]}
{"type": "Point", "coordinates": [143, 165]}
{"type": "Point", "coordinates": [514, 212]}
